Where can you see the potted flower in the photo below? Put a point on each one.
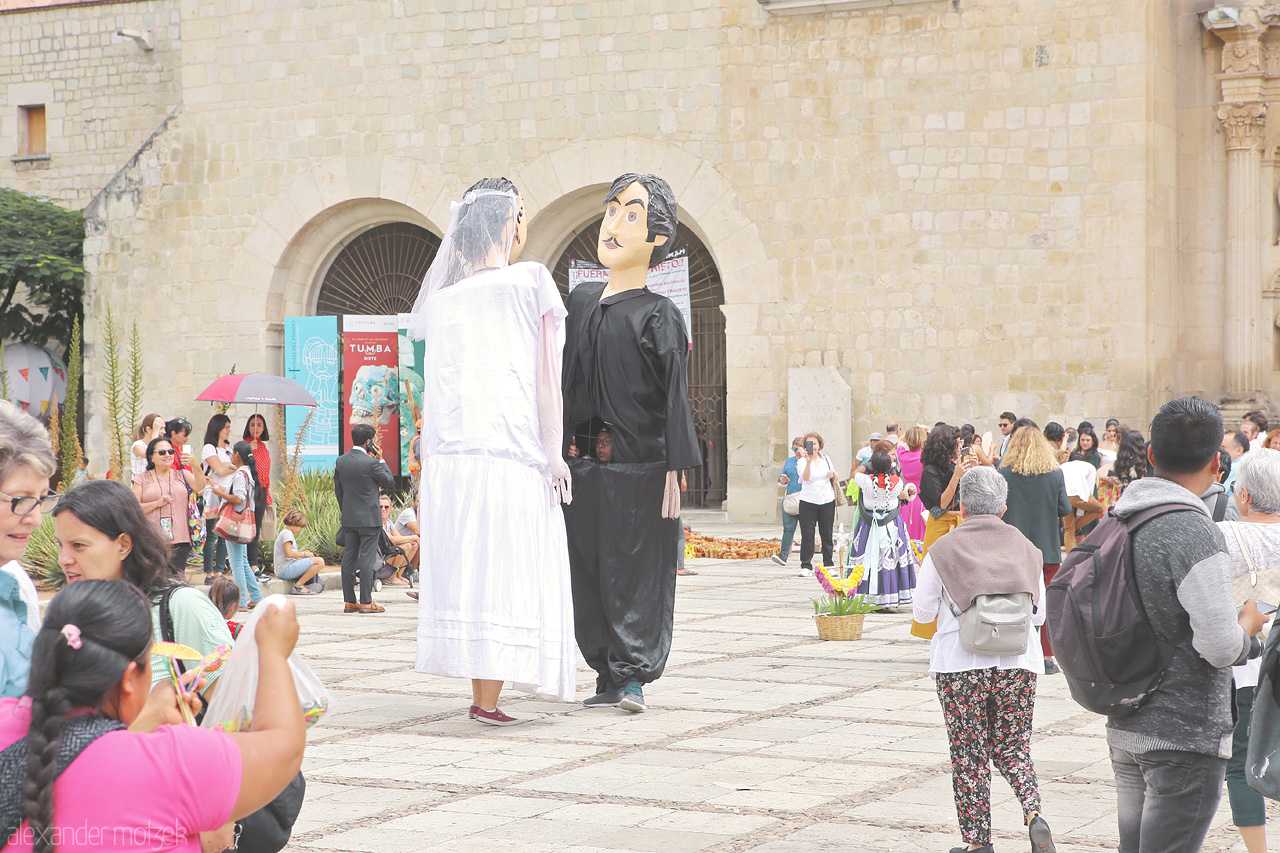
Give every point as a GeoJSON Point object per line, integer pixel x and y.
{"type": "Point", "coordinates": [839, 614]}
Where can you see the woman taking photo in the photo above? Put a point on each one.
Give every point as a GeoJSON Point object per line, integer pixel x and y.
{"type": "Point", "coordinates": [243, 494]}
{"type": "Point", "coordinates": [255, 432]}
{"type": "Point", "coordinates": [26, 464]}
{"type": "Point", "coordinates": [101, 536]}
{"type": "Point", "coordinates": [134, 773]}
{"type": "Point", "coordinates": [1037, 500]}
{"type": "Point", "coordinates": [151, 427]}
{"type": "Point", "coordinates": [939, 479]}
{"type": "Point", "coordinates": [163, 493]}
{"type": "Point", "coordinates": [789, 479]}
{"type": "Point", "coordinates": [216, 455]}
{"type": "Point", "coordinates": [817, 502]}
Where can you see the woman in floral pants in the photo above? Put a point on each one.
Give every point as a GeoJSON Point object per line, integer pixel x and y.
{"type": "Point", "coordinates": [988, 716]}
{"type": "Point", "coordinates": [987, 699]}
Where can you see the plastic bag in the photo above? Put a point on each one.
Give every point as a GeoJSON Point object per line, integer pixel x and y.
{"type": "Point", "coordinates": [231, 708]}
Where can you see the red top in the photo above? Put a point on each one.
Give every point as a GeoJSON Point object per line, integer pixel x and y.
{"type": "Point", "coordinates": [262, 461]}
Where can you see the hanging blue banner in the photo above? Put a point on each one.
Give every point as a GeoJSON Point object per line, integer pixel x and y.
{"type": "Point", "coordinates": [312, 356]}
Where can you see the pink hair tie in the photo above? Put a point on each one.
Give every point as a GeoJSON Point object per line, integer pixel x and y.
{"type": "Point", "coordinates": [72, 633]}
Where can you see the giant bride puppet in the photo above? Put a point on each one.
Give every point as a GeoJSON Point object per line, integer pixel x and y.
{"type": "Point", "coordinates": [494, 602]}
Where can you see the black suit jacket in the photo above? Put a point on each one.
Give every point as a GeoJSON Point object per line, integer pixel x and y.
{"type": "Point", "coordinates": [357, 477]}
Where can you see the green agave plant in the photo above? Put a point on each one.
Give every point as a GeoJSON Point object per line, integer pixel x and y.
{"type": "Point", "coordinates": [41, 559]}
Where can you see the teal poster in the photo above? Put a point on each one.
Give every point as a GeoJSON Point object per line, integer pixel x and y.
{"type": "Point", "coordinates": [312, 357]}
{"type": "Point", "coordinates": [411, 355]}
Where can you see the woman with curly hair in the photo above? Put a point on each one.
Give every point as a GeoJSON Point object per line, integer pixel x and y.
{"type": "Point", "coordinates": [939, 481]}
{"type": "Point", "coordinates": [1037, 499]}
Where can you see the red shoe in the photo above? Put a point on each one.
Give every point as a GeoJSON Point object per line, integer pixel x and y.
{"type": "Point", "coordinates": [494, 717]}
{"type": "Point", "coordinates": [471, 712]}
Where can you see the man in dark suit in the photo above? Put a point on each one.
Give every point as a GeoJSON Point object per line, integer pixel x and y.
{"type": "Point", "coordinates": [357, 476]}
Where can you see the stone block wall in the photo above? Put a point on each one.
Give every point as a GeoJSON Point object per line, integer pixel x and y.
{"type": "Point", "coordinates": [103, 95]}
{"type": "Point", "coordinates": [960, 210]}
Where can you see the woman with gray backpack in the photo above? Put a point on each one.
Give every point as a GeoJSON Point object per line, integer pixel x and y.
{"type": "Point", "coordinates": [984, 583]}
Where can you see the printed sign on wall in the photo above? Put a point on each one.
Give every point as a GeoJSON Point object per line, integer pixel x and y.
{"type": "Point", "coordinates": [371, 381]}
{"type": "Point", "coordinates": [311, 358]}
{"type": "Point", "coordinates": [669, 278]}
{"type": "Point", "coordinates": [412, 354]}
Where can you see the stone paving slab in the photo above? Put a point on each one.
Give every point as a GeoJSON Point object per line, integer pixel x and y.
{"type": "Point", "coordinates": [759, 737]}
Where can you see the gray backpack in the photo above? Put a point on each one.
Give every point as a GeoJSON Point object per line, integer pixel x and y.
{"type": "Point", "coordinates": [1262, 767]}
{"type": "Point", "coordinates": [995, 624]}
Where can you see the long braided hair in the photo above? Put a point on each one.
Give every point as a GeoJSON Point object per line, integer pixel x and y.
{"type": "Point", "coordinates": [114, 622]}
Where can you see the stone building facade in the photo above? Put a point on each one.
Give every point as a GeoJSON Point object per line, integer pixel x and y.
{"type": "Point", "coordinates": [951, 207]}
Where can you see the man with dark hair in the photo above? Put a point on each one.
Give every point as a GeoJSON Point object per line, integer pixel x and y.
{"type": "Point", "coordinates": [626, 361]}
{"type": "Point", "coordinates": [1007, 420]}
{"type": "Point", "coordinates": [357, 476]}
{"type": "Point", "coordinates": [1170, 755]}
{"type": "Point", "coordinates": [1255, 425]}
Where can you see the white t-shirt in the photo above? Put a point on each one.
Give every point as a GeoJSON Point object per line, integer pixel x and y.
{"type": "Point", "coordinates": [286, 535]}
{"type": "Point", "coordinates": [403, 521]}
{"type": "Point", "coordinates": [1080, 478]}
{"type": "Point", "coordinates": [137, 459]}
{"type": "Point", "coordinates": [221, 480]}
{"type": "Point", "coordinates": [817, 489]}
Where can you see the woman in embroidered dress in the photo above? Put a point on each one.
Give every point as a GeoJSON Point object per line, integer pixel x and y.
{"type": "Point", "coordinates": [880, 540]}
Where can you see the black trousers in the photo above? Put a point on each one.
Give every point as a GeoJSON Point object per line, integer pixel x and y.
{"type": "Point", "coordinates": [258, 512]}
{"type": "Point", "coordinates": [359, 559]}
{"type": "Point", "coordinates": [622, 567]}
{"type": "Point", "coordinates": [822, 516]}
{"type": "Point", "coordinates": [179, 553]}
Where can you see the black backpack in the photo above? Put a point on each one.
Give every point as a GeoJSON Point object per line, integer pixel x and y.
{"type": "Point", "coordinates": [1101, 637]}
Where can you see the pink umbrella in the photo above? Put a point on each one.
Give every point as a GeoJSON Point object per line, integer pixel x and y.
{"type": "Point", "coordinates": [257, 388]}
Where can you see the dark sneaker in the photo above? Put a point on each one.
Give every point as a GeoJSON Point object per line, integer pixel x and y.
{"type": "Point", "coordinates": [964, 848]}
{"type": "Point", "coordinates": [1041, 838]}
{"type": "Point", "coordinates": [603, 699]}
{"type": "Point", "coordinates": [778, 559]}
{"type": "Point", "coordinates": [494, 717]}
{"type": "Point", "coordinates": [1051, 668]}
{"type": "Point", "coordinates": [632, 699]}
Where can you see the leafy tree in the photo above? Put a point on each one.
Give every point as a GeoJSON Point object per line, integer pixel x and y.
{"type": "Point", "coordinates": [41, 246]}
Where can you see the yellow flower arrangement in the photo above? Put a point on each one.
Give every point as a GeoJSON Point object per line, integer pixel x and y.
{"type": "Point", "coordinates": [835, 585]}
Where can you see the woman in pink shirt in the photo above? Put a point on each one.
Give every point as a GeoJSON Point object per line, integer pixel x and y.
{"type": "Point", "coordinates": [135, 778]}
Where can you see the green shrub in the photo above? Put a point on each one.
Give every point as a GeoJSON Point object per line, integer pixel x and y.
{"type": "Point", "coordinates": [320, 505]}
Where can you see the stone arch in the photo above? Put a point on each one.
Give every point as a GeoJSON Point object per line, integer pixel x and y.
{"type": "Point", "coordinates": [325, 205]}
{"type": "Point", "coordinates": [564, 190]}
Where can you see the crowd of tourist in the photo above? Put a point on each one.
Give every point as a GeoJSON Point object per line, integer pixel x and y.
{"type": "Point", "coordinates": [1009, 511]}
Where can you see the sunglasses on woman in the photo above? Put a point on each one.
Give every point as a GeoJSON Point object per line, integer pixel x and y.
{"type": "Point", "coordinates": [169, 452]}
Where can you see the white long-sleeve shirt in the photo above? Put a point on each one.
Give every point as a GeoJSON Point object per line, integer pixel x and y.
{"type": "Point", "coordinates": [945, 652]}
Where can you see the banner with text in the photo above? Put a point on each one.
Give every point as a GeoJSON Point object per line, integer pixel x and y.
{"type": "Point", "coordinates": [311, 358]}
{"type": "Point", "coordinates": [669, 278]}
{"type": "Point", "coordinates": [371, 381]}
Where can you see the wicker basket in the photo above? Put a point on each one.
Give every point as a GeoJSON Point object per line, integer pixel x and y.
{"type": "Point", "coordinates": [839, 627]}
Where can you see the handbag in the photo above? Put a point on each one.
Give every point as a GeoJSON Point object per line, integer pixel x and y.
{"type": "Point", "coordinates": [267, 531]}
{"type": "Point", "coordinates": [791, 504]}
{"type": "Point", "coordinates": [238, 527]}
{"type": "Point", "coordinates": [837, 486]}
{"type": "Point", "coordinates": [195, 519]}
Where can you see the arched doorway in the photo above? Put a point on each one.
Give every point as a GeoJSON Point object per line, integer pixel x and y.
{"type": "Point", "coordinates": [706, 362]}
{"type": "Point", "coordinates": [379, 271]}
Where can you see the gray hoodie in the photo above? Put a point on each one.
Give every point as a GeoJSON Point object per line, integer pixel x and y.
{"type": "Point", "coordinates": [1184, 576]}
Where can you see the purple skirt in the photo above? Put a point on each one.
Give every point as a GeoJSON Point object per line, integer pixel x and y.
{"type": "Point", "coordinates": [885, 552]}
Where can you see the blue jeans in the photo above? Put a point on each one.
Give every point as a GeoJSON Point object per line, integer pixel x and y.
{"type": "Point", "coordinates": [293, 569]}
{"type": "Point", "coordinates": [244, 578]}
{"type": "Point", "coordinates": [789, 522]}
{"type": "Point", "coordinates": [1166, 799]}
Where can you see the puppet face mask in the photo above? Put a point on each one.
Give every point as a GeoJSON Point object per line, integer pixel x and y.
{"type": "Point", "coordinates": [624, 233]}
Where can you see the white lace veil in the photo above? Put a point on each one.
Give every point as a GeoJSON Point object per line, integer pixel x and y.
{"type": "Point", "coordinates": [481, 232]}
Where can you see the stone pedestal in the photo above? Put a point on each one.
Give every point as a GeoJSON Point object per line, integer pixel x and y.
{"type": "Point", "coordinates": [819, 400]}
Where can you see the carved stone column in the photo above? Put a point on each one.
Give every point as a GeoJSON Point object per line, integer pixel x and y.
{"type": "Point", "coordinates": [1247, 329]}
